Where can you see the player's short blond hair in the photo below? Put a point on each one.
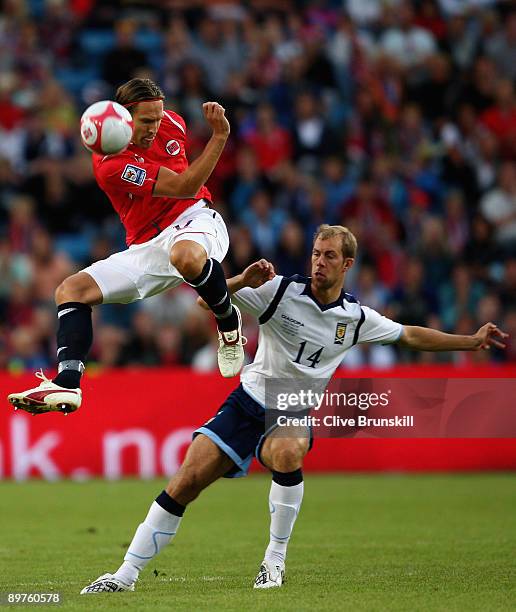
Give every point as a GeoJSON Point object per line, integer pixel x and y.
{"type": "Point", "coordinates": [348, 240]}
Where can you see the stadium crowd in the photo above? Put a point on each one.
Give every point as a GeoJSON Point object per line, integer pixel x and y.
{"type": "Point", "coordinates": [394, 118]}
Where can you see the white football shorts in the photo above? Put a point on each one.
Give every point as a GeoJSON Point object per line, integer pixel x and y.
{"type": "Point", "coordinates": [145, 269]}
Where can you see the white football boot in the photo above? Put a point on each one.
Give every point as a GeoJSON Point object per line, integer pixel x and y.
{"type": "Point", "coordinates": [271, 575]}
{"type": "Point", "coordinates": [230, 354]}
{"type": "Point", "coordinates": [107, 583]}
{"type": "Point", "coordinates": [46, 397]}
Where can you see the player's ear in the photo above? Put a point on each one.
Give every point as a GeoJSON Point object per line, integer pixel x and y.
{"type": "Point", "coordinates": [348, 262]}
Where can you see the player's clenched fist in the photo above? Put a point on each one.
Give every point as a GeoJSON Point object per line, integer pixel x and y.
{"type": "Point", "coordinates": [215, 116]}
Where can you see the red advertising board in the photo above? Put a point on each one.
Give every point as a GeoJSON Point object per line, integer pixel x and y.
{"type": "Point", "coordinates": [139, 422]}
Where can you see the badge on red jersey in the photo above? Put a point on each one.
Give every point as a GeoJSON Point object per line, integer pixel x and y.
{"type": "Point", "coordinates": [133, 174]}
{"type": "Point", "coordinates": [173, 147]}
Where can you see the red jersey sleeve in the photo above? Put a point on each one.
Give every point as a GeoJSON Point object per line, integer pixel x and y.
{"type": "Point", "coordinates": [124, 173]}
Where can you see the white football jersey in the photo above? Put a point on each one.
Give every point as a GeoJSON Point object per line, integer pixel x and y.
{"type": "Point", "coordinates": [302, 338]}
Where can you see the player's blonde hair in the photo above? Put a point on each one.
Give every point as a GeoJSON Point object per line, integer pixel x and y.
{"type": "Point", "coordinates": [348, 240]}
{"type": "Point", "coordinates": [138, 90]}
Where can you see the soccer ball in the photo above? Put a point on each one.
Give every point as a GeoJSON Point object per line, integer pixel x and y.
{"type": "Point", "coordinates": [106, 128]}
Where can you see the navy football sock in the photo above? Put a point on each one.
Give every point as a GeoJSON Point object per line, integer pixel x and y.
{"type": "Point", "coordinates": [74, 338]}
{"type": "Point", "coordinates": [211, 286]}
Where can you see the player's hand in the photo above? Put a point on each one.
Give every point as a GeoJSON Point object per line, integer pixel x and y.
{"type": "Point", "coordinates": [257, 274]}
{"type": "Point", "coordinates": [215, 116]}
{"type": "Point", "coordinates": [253, 276]}
{"type": "Point", "coordinates": [489, 335]}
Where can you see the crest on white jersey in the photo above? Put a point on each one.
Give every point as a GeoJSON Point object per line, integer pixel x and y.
{"type": "Point", "coordinates": [173, 147]}
{"type": "Point", "coordinates": [340, 332]}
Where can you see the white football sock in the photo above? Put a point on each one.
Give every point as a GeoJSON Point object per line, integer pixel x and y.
{"type": "Point", "coordinates": [156, 531]}
{"type": "Point", "coordinates": [284, 505]}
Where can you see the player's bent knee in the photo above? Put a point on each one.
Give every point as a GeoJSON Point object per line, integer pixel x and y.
{"type": "Point", "coordinates": [287, 456]}
{"type": "Point", "coordinates": [78, 288]}
{"type": "Point", "coordinates": [185, 486]}
{"type": "Point", "coordinates": [188, 258]}
{"type": "Point", "coordinates": [286, 460]}
{"type": "Point", "coordinates": [67, 291]}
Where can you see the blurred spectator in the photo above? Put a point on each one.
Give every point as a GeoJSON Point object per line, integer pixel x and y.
{"type": "Point", "coordinates": [246, 183]}
{"type": "Point", "coordinates": [198, 331]}
{"type": "Point", "coordinates": [20, 309]}
{"type": "Point", "coordinates": [177, 52]}
{"type": "Point", "coordinates": [316, 210]}
{"type": "Point", "coordinates": [370, 212]}
{"type": "Point", "coordinates": [429, 18]}
{"type": "Point", "coordinates": [502, 47]}
{"type": "Point", "coordinates": [499, 206]}
{"type": "Point", "coordinates": [479, 87]}
{"type": "Point", "coordinates": [193, 93]}
{"type": "Point", "coordinates": [15, 269]}
{"type": "Point", "coordinates": [368, 129]}
{"type": "Point", "coordinates": [509, 325]}
{"type": "Point", "coordinates": [462, 40]}
{"type": "Point", "coordinates": [120, 63]}
{"type": "Point", "coordinates": [312, 138]}
{"type": "Point", "coordinates": [264, 222]}
{"type": "Point", "coordinates": [337, 184]}
{"type": "Point", "coordinates": [369, 290]}
{"type": "Point", "coordinates": [57, 109]}
{"type": "Point", "coordinates": [458, 172]}
{"type": "Point", "coordinates": [11, 114]}
{"type": "Point", "coordinates": [58, 27]}
{"type": "Point", "coordinates": [170, 307]}
{"type": "Point", "coordinates": [292, 253]}
{"type": "Point", "coordinates": [456, 222]}
{"type": "Point", "coordinates": [507, 290]}
{"type": "Point", "coordinates": [142, 347]}
{"type": "Point", "coordinates": [242, 250]}
{"type": "Point", "coordinates": [22, 223]}
{"type": "Point", "coordinates": [293, 192]}
{"type": "Point", "coordinates": [485, 159]}
{"type": "Point", "coordinates": [501, 118]}
{"type": "Point", "coordinates": [48, 267]}
{"type": "Point", "coordinates": [412, 301]}
{"type": "Point", "coordinates": [344, 48]}
{"type": "Point", "coordinates": [25, 352]}
{"type": "Point", "coordinates": [82, 203]}
{"type": "Point", "coordinates": [271, 143]}
{"type": "Point", "coordinates": [460, 296]}
{"type": "Point", "coordinates": [366, 12]}
{"type": "Point", "coordinates": [434, 252]}
{"type": "Point", "coordinates": [480, 252]}
{"type": "Point", "coordinates": [217, 53]}
{"type": "Point", "coordinates": [169, 345]}
{"type": "Point", "coordinates": [404, 41]}
{"type": "Point", "coordinates": [413, 139]}
{"type": "Point", "coordinates": [8, 186]}
{"type": "Point", "coordinates": [108, 346]}
{"type": "Point", "coordinates": [435, 95]}
{"type": "Point", "coordinates": [389, 185]}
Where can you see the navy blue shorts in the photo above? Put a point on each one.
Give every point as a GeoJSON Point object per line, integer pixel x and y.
{"type": "Point", "coordinates": [238, 429]}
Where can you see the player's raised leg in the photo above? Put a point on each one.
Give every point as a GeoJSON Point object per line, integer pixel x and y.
{"type": "Point", "coordinates": [74, 299]}
{"type": "Point", "coordinates": [206, 276]}
{"type": "Point", "coordinates": [204, 463]}
{"type": "Point", "coordinates": [284, 457]}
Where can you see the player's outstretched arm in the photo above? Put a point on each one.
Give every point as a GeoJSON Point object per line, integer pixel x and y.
{"type": "Point", "coordinates": [426, 339]}
{"type": "Point", "coordinates": [253, 276]}
{"type": "Point", "coordinates": [188, 183]}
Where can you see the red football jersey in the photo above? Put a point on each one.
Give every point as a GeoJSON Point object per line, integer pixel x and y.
{"type": "Point", "coordinates": [128, 180]}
